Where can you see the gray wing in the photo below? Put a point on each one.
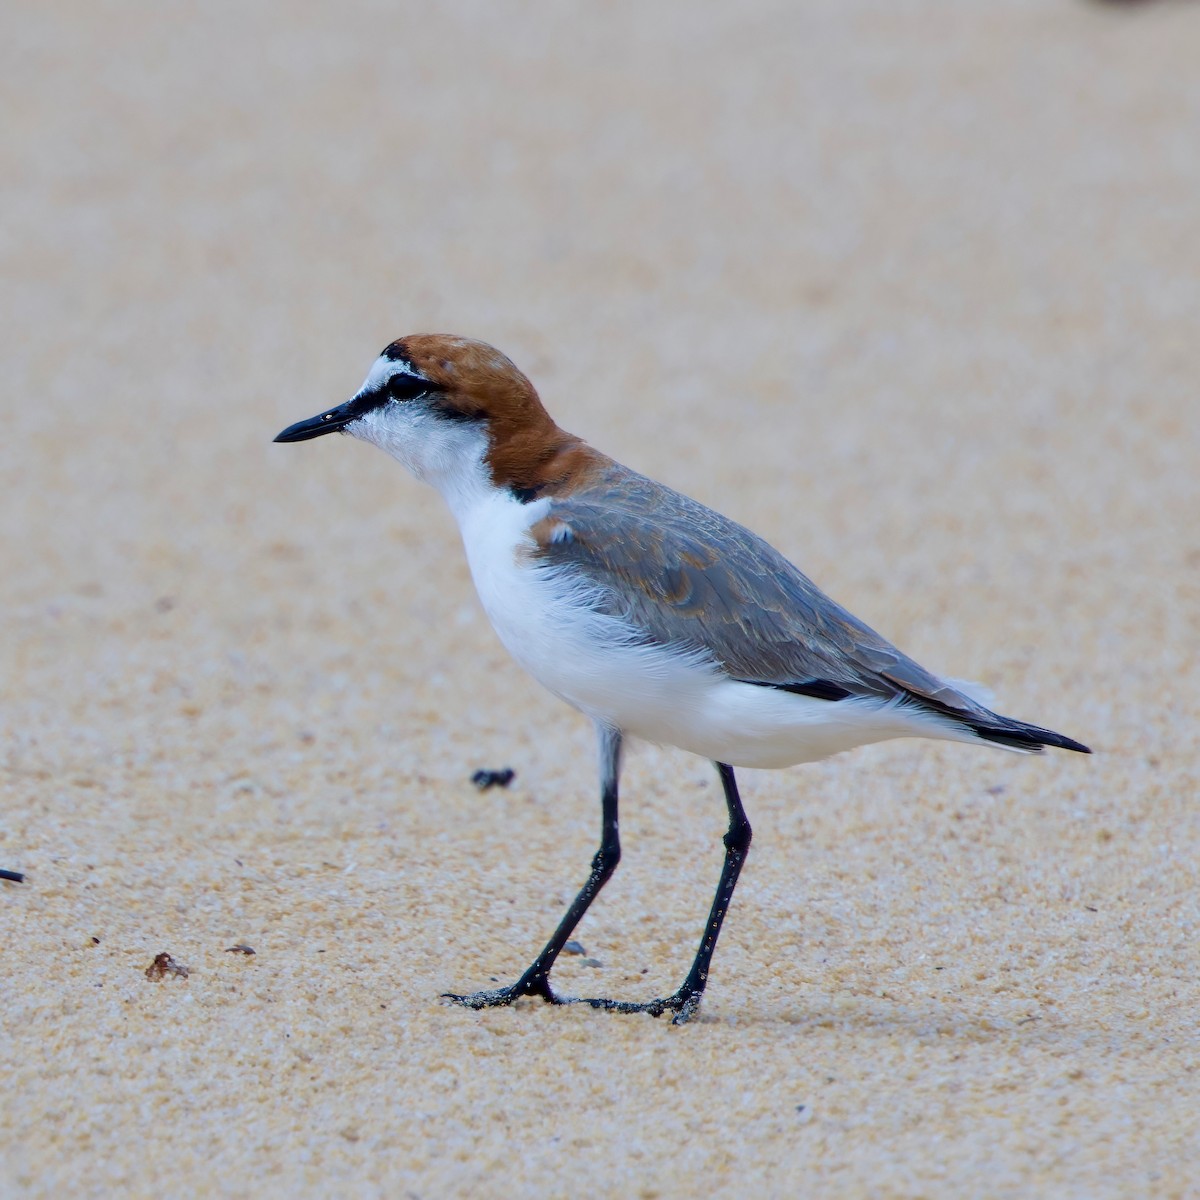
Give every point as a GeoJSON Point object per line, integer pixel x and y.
{"type": "Point", "coordinates": [691, 577]}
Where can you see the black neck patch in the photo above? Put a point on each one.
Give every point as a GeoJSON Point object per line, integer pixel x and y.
{"type": "Point", "coordinates": [449, 413]}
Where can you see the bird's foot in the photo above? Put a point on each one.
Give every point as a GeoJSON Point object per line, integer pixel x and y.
{"type": "Point", "coordinates": [684, 1004]}
{"type": "Point", "coordinates": [537, 985]}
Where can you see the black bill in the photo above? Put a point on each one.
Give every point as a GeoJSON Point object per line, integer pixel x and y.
{"type": "Point", "coordinates": [327, 422]}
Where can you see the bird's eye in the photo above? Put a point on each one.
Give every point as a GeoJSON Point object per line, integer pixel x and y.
{"type": "Point", "coordinates": [403, 386]}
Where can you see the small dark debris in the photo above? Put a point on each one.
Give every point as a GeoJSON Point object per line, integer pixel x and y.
{"type": "Point", "coordinates": [801, 1107]}
{"type": "Point", "coordinates": [164, 965]}
{"type": "Point", "coordinates": [574, 947]}
{"type": "Point", "coordinates": [12, 876]}
{"type": "Point", "coordinates": [164, 604]}
{"type": "Point", "coordinates": [484, 779]}
{"type": "Point", "coordinates": [95, 941]}
{"type": "Point", "coordinates": [240, 948]}
{"type": "Point", "coordinates": [998, 790]}
{"type": "Point", "coordinates": [1090, 908]}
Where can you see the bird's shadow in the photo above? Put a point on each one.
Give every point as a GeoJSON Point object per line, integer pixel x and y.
{"type": "Point", "coordinates": [939, 1022]}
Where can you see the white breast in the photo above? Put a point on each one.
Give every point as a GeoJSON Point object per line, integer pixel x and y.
{"type": "Point", "coordinates": [547, 619]}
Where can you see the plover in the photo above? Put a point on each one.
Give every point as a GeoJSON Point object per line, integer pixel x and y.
{"type": "Point", "coordinates": [651, 614]}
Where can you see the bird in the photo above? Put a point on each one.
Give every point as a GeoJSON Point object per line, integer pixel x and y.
{"type": "Point", "coordinates": [650, 613]}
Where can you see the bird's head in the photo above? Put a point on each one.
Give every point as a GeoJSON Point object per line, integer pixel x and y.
{"type": "Point", "coordinates": [448, 408]}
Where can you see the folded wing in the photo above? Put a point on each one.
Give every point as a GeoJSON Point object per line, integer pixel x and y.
{"type": "Point", "coordinates": [692, 578]}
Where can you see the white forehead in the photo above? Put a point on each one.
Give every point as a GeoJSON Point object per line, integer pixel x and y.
{"type": "Point", "coordinates": [383, 369]}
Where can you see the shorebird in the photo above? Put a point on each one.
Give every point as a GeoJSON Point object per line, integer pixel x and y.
{"type": "Point", "coordinates": [651, 614]}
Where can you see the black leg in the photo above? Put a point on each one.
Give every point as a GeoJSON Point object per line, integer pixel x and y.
{"type": "Point", "coordinates": [686, 1001]}
{"type": "Point", "coordinates": [737, 846]}
{"type": "Point", "coordinates": [536, 980]}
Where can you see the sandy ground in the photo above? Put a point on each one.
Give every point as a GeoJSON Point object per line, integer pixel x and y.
{"type": "Point", "coordinates": [913, 289]}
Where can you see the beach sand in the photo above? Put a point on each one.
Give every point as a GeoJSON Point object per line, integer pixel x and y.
{"type": "Point", "coordinates": [912, 290]}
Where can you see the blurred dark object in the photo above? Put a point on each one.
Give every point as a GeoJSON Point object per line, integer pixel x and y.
{"type": "Point", "coordinates": [12, 876]}
{"type": "Point", "coordinates": [483, 779]}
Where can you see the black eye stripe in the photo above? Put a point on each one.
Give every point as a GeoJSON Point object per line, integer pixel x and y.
{"type": "Point", "coordinates": [399, 387]}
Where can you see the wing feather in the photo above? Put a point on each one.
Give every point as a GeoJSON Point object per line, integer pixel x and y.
{"type": "Point", "coordinates": [692, 578]}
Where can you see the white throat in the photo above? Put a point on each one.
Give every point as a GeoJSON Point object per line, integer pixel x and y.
{"type": "Point", "coordinates": [447, 454]}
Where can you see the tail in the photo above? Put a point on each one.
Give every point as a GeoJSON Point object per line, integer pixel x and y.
{"type": "Point", "coordinates": [1017, 735]}
{"type": "Point", "coordinates": [1001, 731]}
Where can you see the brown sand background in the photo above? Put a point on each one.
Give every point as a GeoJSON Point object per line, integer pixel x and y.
{"type": "Point", "coordinates": [913, 289]}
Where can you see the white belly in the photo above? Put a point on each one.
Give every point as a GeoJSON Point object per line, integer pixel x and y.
{"type": "Point", "coordinates": [598, 664]}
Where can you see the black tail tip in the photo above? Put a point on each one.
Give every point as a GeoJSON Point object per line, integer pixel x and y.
{"type": "Point", "coordinates": [1070, 744]}
{"type": "Point", "coordinates": [1029, 738]}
